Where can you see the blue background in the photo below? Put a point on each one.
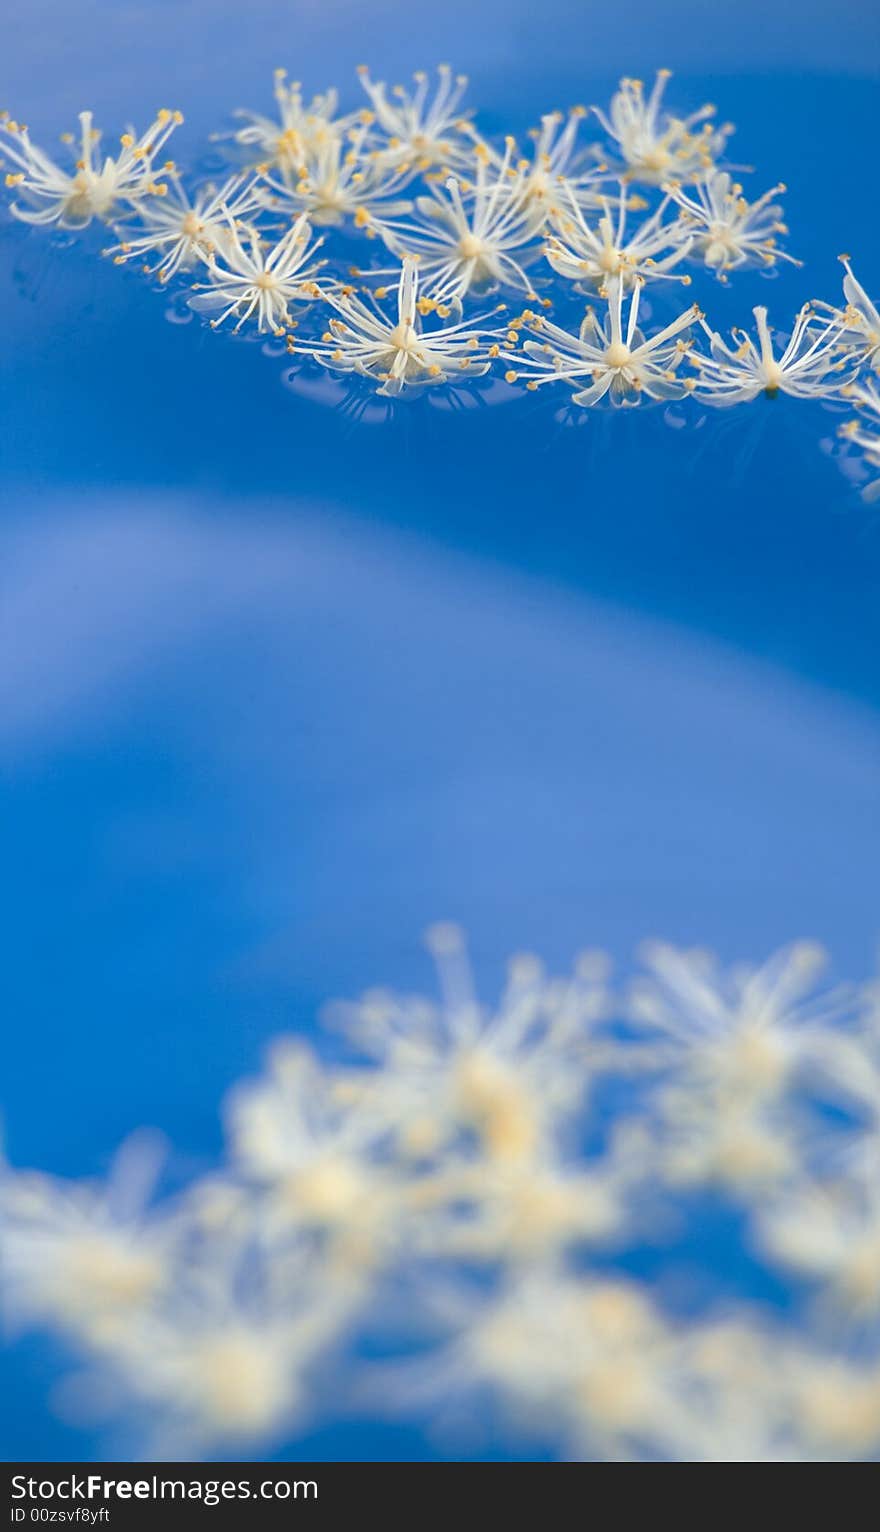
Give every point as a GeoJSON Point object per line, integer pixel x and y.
{"type": "Point", "coordinates": [278, 688]}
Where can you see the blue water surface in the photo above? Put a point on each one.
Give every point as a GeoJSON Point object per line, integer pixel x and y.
{"type": "Point", "coordinates": [280, 686]}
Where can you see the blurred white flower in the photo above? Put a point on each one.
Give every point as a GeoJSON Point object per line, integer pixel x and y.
{"type": "Point", "coordinates": [250, 278]}
{"type": "Point", "coordinates": [186, 230]}
{"type": "Point", "coordinates": [394, 349]}
{"type": "Point", "coordinates": [837, 1406]}
{"type": "Point", "coordinates": [589, 250]}
{"type": "Point", "coordinates": [284, 141]}
{"type": "Point", "coordinates": [228, 1363]}
{"type": "Point", "coordinates": [561, 166]}
{"type": "Point", "coordinates": [864, 430]}
{"type": "Point", "coordinates": [333, 176]}
{"type": "Point", "coordinates": [467, 237]}
{"type": "Point", "coordinates": [744, 1027]}
{"type": "Point", "coordinates": [809, 365]}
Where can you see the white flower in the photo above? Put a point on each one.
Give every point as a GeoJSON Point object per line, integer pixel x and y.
{"type": "Point", "coordinates": [729, 231]}
{"type": "Point", "coordinates": [505, 1078]}
{"type": "Point", "coordinates": [589, 252]}
{"type": "Point", "coordinates": [831, 1232]}
{"type": "Point", "coordinates": [394, 349]}
{"type": "Point", "coordinates": [228, 1381]}
{"type": "Point", "coordinates": [809, 366]}
{"type": "Point", "coordinates": [95, 187]}
{"type": "Point", "coordinates": [745, 1027]}
{"type": "Point", "coordinates": [249, 278]}
{"type": "Point", "coordinates": [621, 362]}
{"type": "Point", "coordinates": [285, 140]}
{"type": "Point", "coordinates": [560, 165]}
{"type": "Point", "coordinates": [185, 230]}
{"type": "Point", "coordinates": [228, 1361]}
{"type": "Point", "coordinates": [651, 145]}
{"type": "Point", "coordinates": [861, 319]}
{"type": "Point", "coordinates": [590, 1361]}
{"type": "Point", "coordinates": [838, 1408]}
{"type": "Point", "coordinates": [864, 315]}
{"type": "Point", "coordinates": [737, 1042]}
{"type": "Point", "coordinates": [333, 177]}
{"type": "Point", "coordinates": [864, 432]}
{"type": "Point", "coordinates": [465, 244]}
{"type": "Point", "coordinates": [531, 1208]}
{"type": "Point", "coordinates": [419, 130]}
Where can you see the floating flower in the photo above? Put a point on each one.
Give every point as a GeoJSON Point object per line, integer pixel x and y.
{"type": "Point", "coordinates": [589, 253]}
{"type": "Point", "coordinates": [534, 1208]}
{"type": "Point", "coordinates": [335, 177]}
{"type": "Point", "coordinates": [419, 130]}
{"type": "Point", "coordinates": [560, 166]}
{"type": "Point", "coordinates": [849, 1063]}
{"type": "Point", "coordinates": [250, 278]}
{"type": "Point", "coordinates": [704, 1137]}
{"type": "Point", "coordinates": [809, 366]}
{"type": "Point", "coordinates": [469, 243]}
{"type": "Point", "coordinates": [861, 319]}
{"type": "Point", "coordinates": [864, 432]}
{"type": "Point", "coordinates": [746, 1028]}
{"type": "Point", "coordinates": [286, 140]}
{"type": "Point", "coordinates": [653, 146]}
{"type": "Point", "coordinates": [227, 1381]}
{"type": "Point", "coordinates": [394, 349]}
{"type": "Point", "coordinates": [621, 361]}
{"type": "Point", "coordinates": [459, 1189]}
{"type": "Point", "coordinates": [838, 1409]}
{"type": "Point", "coordinates": [185, 231]}
{"type": "Point", "coordinates": [729, 231]}
{"type": "Point", "coordinates": [96, 187]}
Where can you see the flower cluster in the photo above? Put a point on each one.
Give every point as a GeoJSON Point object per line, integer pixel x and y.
{"type": "Point", "coordinates": [598, 203]}
{"type": "Point", "coordinates": [496, 1207]}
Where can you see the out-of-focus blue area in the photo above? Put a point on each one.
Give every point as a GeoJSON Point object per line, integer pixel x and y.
{"type": "Point", "coordinates": [278, 688]}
